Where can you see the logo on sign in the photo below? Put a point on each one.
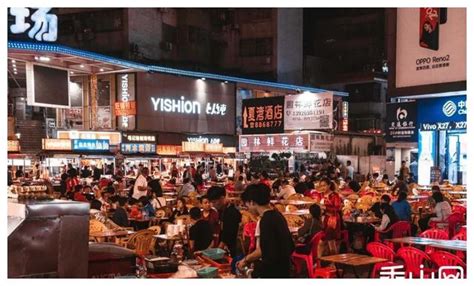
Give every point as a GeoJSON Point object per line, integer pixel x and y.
{"type": "Point", "coordinates": [449, 108]}
{"type": "Point", "coordinates": [45, 27]}
{"type": "Point", "coordinates": [401, 114]}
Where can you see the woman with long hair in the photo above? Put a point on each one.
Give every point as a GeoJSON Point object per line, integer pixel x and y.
{"type": "Point", "coordinates": [332, 221]}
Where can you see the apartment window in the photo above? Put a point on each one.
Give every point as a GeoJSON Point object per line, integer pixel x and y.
{"type": "Point", "coordinates": [169, 33]}
{"type": "Point", "coordinates": [256, 47]}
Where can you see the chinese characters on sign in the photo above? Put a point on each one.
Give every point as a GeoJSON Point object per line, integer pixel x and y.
{"type": "Point", "coordinates": [57, 144]}
{"type": "Point", "coordinates": [263, 115]}
{"type": "Point", "coordinates": [138, 138]}
{"type": "Point", "coordinates": [401, 122]}
{"type": "Point", "coordinates": [168, 150]}
{"type": "Point", "coordinates": [321, 142]}
{"type": "Point", "coordinates": [90, 145]}
{"type": "Point", "coordinates": [275, 142]}
{"type": "Point", "coordinates": [13, 146]}
{"type": "Point", "coordinates": [142, 148]}
{"type": "Point", "coordinates": [309, 111]}
{"type": "Point", "coordinates": [125, 106]}
{"type": "Point", "coordinates": [345, 116]}
{"type": "Point", "coordinates": [45, 25]}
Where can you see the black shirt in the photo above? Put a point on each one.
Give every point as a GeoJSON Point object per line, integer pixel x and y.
{"type": "Point", "coordinates": [201, 234]}
{"type": "Point", "coordinates": [96, 174]}
{"type": "Point", "coordinates": [276, 244]}
{"type": "Point", "coordinates": [19, 173]}
{"type": "Point", "coordinates": [156, 187]}
{"type": "Point", "coordinates": [120, 217]}
{"type": "Point", "coordinates": [86, 173]}
{"type": "Point", "coordinates": [230, 218]}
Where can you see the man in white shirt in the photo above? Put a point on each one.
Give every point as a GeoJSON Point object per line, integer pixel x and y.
{"type": "Point", "coordinates": [186, 189]}
{"type": "Point", "coordinates": [286, 190]}
{"type": "Point", "coordinates": [350, 169]}
{"type": "Point", "coordinates": [140, 188]}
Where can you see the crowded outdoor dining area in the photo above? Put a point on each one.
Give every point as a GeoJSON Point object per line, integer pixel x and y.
{"type": "Point", "coordinates": [236, 143]}
{"type": "Point", "coordinates": [315, 223]}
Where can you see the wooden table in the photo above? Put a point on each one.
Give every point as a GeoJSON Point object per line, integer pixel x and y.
{"type": "Point", "coordinates": [412, 240]}
{"type": "Point", "coordinates": [293, 202]}
{"type": "Point", "coordinates": [458, 245]}
{"type": "Point", "coordinates": [353, 260]}
{"type": "Point", "coordinates": [109, 234]}
{"type": "Point", "coordinates": [364, 220]}
{"type": "Point", "coordinates": [298, 212]}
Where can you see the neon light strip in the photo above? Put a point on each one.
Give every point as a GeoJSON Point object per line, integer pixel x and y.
{"type": "Point", "coordinates": [54, 48]}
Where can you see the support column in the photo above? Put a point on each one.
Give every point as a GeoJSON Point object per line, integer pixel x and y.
{"type": "Point", "coordinates": [93, 101]}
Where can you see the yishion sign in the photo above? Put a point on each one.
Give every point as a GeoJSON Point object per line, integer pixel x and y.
{"type": "Point", "coordinates": [169, 103]}
{"type": "Point", "coordinates": [125, 105]}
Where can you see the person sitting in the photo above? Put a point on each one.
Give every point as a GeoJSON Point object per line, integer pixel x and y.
{"type": "Point", "coordinates": [385, 199]}
{"type": "Point", "coordinates": [400, 186]}
{"type": "Point", "coordinates": [402, 207]}
{"type": "Point", "coordinates": [180, 209]}
{"type": "Point", "coordinates": [265, 179]}
{"type": "Point", "coordinates": [309, 229]}
{"type": "Point", "coordinates": [286, 190]}
{"type": "Point", "coordinates": [200, 233]}
{"type": "Point", "coordinates": [148, 208]}
{"type": "Point", "coordinates": [78, 195]}
{"type": "Point", "coordinates": [157, 202]}
{"type": "Point", "coordinates": [300, 186]}
{"type": "Point", "coordinates": [120, 216]}
{"type": "Point", "coordinates": [441, 212]}
{"type": "Point", "coordinates": [135, 209]}
{"type": "Point", "coordinates": [186, 189]}
{"type": "Point", "coordinates": [239, 186]}
{"type": "Point", "coordinates": [386, 181]}
{"type": "Point", "coordinates": [389, 217]}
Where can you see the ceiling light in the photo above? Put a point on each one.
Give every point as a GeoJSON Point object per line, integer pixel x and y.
{"type": "Point", "coordinates": [15, 72]}
{"type": "Point", "coordinates": [44, 59]}
{"type": "Point", "coordinates": [72, 72]}
{"type": "Point", "coordinates": [13, 61]}
{"type": "Point", "coordinates": [101, 70]}
{"type": "Point", "coordinates": [14, 65]}
{"type": "Point", "coordinates": [203, 78]}
{"type": "Point", "coordinates": [81, 66]}
{"type": "Point", "coordinates": [226, 82]}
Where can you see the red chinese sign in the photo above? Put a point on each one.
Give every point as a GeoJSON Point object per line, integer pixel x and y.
{"type": "Point", "coordinates": [168, 150]}
{"type": "Point", "coordinates": [275, 142]}
{"type": "Point", "coordinates": [263, 115]}
{"type": "Point", "coordinates": [127, 108]}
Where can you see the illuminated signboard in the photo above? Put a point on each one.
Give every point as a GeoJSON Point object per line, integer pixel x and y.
{"type": "Point", "coordinates": [213, 148]}
{"type": "Point", "coordinates": [126, 107]}
{"type": "Point", "coordinates": [207, 140]}
{"type": "Point", "coordinates": [321, 142]}
{"type": "Point", "coordinates": [274, 142]}
{"type": "Point", "coordinates": [193, 147]}
{"type": "Point", "coordinates": [263, 115]}
{"type": "Point", "coordinates": [345, 116]}
{"type": "Point", "coordinates": [142, 148]}
{"type": "Point", "coordinates": [131, 137]}
{"type": "Point", "coordinates": [13, 146]}
{"type": "Point", "coordinates": [168, 150]}
{"type": "Point", "coordinates": [115, 138]}
{"type": "Point", "coordinates": [57, 144]}
{"type": "Point", "coordinates": [38, 22]}
{"type": "Point", "coordinates": [90, 145]}
{"type": "Point", "coordinates": [308, 110]}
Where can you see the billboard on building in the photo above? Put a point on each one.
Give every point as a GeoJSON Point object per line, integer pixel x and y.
{"type": "Point", "coordinates": [263, 115]}
{"type": "Point", "coordinates": [427, 50]}
{"type": "Point", "coordinates": [47, 87]}
{"type": "Point", "coordinates": [169, 103]}
{"type": "Point", "coordinates": [401, 123]}
{"type": "Point", "coordinates": [307, 111]}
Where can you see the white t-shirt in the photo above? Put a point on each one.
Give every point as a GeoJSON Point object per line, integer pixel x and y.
{"type": "Point", "coordinates": [140, 182]}
{"type": "Point", "coordinates": [158, 203]}
{"type": "Point", "coordinates": [442, 210]}
{"type": "Point", "coordinates": [286, 191]}
{"type": "Point", "coordinates": [350, 172]}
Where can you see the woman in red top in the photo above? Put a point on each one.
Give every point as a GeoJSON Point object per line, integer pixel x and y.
{"type": "Point", "coordinates": [265, 179]}
{"type": "Point", "coordinates": [212, 216]}
{"type": "Point", "coordinates": [135, 210]}
{"type": "Point", "coordinates": [332, 221]}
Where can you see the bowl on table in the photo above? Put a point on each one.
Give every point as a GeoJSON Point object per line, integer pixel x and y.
{"type": "Point", "coordinates": [208, 272]}
{"type": "Point", "coordinates": [214, 253]}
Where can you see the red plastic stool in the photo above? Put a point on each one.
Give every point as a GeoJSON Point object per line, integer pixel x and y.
{"type": "Point", "coordinates": [325, 272]}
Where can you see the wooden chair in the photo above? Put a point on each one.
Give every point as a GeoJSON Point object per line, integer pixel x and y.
{"type": "Point", "coordinates": [294, 220]}
{"type": "Point", "coordinates": [279, 207]}
{"type": "Point", "coordinates": [295, 197]}
{"type": "Point", "coordinates": [96, 226]}
{"type": "Point", "coordinates": [186, 219]}
{"type": "Point", "coordinates": [156, 229]}
{"type": "Point", "coordinates": [141, 242]}
{"type": "Point", "coordinates": [291, 208]}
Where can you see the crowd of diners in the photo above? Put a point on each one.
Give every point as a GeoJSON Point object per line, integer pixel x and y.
{"type": "Point", "coordinates": [252, 229]}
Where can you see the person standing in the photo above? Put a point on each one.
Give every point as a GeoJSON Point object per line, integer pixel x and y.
{"type": "Point", "coordinates": [19, 173]}
{"type": "Point", "coordinates": [275, 243]}
{"type": "Point", "coordinates": [404, 171]}
{"type": "Point", "coordinates": [229, 216]}
{"type": "Point", "coordinates": [200, 233]}
{"type": "Point", "coordinates": [212, 216]}
{"type": "Point", "coordinates": [350, 169]}
{"type": "Point", "coordinates": [332, 221]}
{"type": "Point", "coordinates": [10, 176]}
{"type": "Point", "coordinates": [140, 188]}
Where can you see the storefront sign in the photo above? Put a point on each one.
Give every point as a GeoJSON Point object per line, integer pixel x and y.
{"type": "Point", "coordinates": [308, 111]}
{"type": "Point", "coordinates": [263, 115]}
{"type": "Point", "coordinates": [275, 142]}
{"type": "Point", "coordinates": [168, 150]}
{"type": "Point", "coordinates": [125, 105]}
{"type": "Point", "coordinates": [229, 150]}
{"type": "Point", "coordinates": [104, 117]}
{"type": "Point", "coordinates": [13, 146]}
{"type": "Point", "coordinates": [401, 122]}
{"type": "Point", "coordinates": [430, 46]}
{"type": "Point", "coordinates": [447, 113]}
{"type": "Point", "coordinates": [345, 116]}
{"type": "Point", "coordinates": [193, 147]}
{"type": "Point", "coordinates": [40, 24]}
{"type": "Point", "coordinates": [321, 142]}
{"type": "Point", "coordinates": [57, 144]}
{"type": "Point", "coordinates": [142, 148]}
{"type": "Point", "coordinates": [115, 138]}
{"type": "Point", "coordinates": [169, 103]}
{"type": "Point", "coordinates": [135, 137]}
{"type": "Point", "coordinates": [213, 148]}
{"type": "Point", "coordinates": [208, 140]}
{"type": "Point", "coordinates": [90, 145]}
